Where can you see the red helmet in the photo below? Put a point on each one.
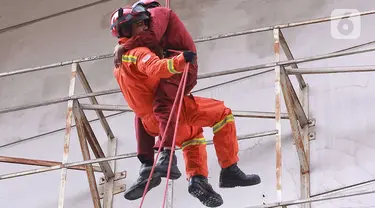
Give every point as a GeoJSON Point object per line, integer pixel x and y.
{"type": "Point", "coordinates": [124, 17]}
{"type": "Point", "coordinates": [148, 3]}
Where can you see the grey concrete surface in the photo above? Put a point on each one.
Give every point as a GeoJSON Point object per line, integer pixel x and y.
{"type": "Point", "coordinates": [342, 104]}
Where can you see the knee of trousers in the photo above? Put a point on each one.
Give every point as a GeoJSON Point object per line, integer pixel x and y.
{"type": "Point", "coordinates": [195, 156]}
{"type": "Point", "coordinates": [226, 121]}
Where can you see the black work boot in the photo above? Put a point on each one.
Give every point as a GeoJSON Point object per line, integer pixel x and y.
{"type": "Point", "coordinates": [145, 169]}
{"type": "Point", "coordinates": [136, 190]}
{"type": "Point", "coordinates": [202, 190]}
{"type": "Point", "coordinates": [162, 165]}
{"type": "Point", "coordinates": [233, 176]}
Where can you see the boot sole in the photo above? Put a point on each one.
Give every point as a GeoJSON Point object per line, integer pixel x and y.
{"type": "Point", "coordinates": [137, 192]}
{"type": "Point", "coordinates": [233, 184]}
{"type": "Point", "coordinates": [206, 198]}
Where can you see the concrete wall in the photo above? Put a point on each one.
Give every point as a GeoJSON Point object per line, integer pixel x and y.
{"type": "Point", "coordinates": [342, 104]}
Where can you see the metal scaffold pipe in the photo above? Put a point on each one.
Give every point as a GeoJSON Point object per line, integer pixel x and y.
{"type": "Point", "coordinates": [117, 157]}
{"type": "Point", "coordinates": [198, 40]}
{"type": "Point", "coordinates": [115, 114]}
{"type": "Point", "coordinates": [243, 114]}
{"type": "Point", "coordinates": [285, 63]}
{"type": "Point", "coordinates": [345, 188]}
{"type": "Point", "coordinates": [331, 70]}
{"type": "Point", "coordinates": [281, 26]}
{"type": "Point", "coordinates": [304, 201]}
{"type": "Point", "coordinates": [202, 76]}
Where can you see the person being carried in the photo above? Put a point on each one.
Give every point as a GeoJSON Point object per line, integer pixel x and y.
{"type": "Point", "coordinates": [167, 32]}
{"type": "Point", "coordinates": [138, 77]}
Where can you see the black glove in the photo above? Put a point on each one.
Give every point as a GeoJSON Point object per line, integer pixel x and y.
{"type": "Point", "coordinates": [166, 53]}
{"type": "Point", "coordinates": [189, 56]}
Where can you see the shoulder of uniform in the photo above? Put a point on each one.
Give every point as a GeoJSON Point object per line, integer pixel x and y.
{"type": "Point", "coordinates": [138, 51]}
{"type": "Point", "coordinates": [143, 51]}
{"type": "Point", "coordinates": [135, 54]}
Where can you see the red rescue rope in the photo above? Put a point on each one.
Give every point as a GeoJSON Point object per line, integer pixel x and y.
{"type": "Point", "coordinates": [183, 80]}
{"type": "Point", "coordinates": [179, 91]}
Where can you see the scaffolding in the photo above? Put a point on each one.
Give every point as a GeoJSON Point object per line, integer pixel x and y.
{"type": "Point", "coordinates": [297, 105]}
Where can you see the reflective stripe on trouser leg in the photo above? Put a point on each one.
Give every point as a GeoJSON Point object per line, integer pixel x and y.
{"type": "Point", "coordinates": [195, 156]}
{"type": "Point", "coordinates": [219, 125]}
{"type": "Point", "coordinates": [225, 140]}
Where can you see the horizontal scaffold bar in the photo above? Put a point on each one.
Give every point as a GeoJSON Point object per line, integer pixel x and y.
{"type": "Point", "coordinates": [45, 163]}
{"type": "Point", "coordinates": [285, 63]}
{"type": "Point", "coordinates": [117, 90]}
{"type": "Point", "coordinates": [282, 26]}
{"type": "Point", "coordinates": [118, 157]}
{"type": "Point", "coordinates": [304, 201]}
{"type": "Point", "coordinates": [345, 188]}
{"type": "Point", "coordinates": [245, 114]}
{"type": "Point", "coordinates": [329, 70]}
{"type": "Point", "coordinates": [202, 76]}
{"type": "Point", "coordinates": [202, 39]}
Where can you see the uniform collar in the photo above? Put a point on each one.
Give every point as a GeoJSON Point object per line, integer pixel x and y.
{"type": "Point", "coordinates": [122, 40]}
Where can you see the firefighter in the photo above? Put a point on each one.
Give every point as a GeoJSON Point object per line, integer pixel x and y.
{"type": "Point", "coordinates": [138, 77]}
{"type": "Point", "coordinates": [170, 33]}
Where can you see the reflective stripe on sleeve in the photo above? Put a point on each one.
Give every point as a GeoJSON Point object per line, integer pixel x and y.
{"type": "Point", "coordinates": [129, 59]}
{"type": "Point", "coordinates": [171, 67]}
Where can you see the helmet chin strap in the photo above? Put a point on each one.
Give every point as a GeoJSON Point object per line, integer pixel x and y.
{"type": "Point", "coordinates": [120, 27]}
{"type": "Point", "coordinates": [120, 12]}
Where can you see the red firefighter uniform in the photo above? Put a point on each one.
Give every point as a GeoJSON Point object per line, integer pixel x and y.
{"type": "Point", "coordinates": [172, 34]}
{"type": "Point", "coordinates": [138, 78]}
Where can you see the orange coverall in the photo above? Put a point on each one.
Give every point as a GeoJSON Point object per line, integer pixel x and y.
{"type": "Point", "coordinates": [138, 78]}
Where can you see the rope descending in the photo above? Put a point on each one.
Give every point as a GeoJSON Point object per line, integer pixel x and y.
{"type": "Point", "coordinates": [181, 89]}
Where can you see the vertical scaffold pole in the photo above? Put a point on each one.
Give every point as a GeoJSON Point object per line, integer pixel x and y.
{"type": "Point", "coordinates": [68, 128]}
{"type": "Point", "coordinates": [276, 37]}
